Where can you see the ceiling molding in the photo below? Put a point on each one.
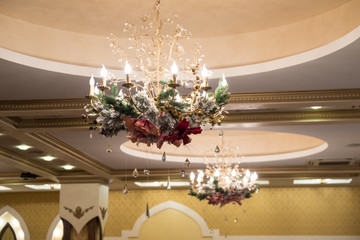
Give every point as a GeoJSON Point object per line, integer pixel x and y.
{"type": "Point", "coordinates": [295, 117]}
{"type": "Point", "coordinates": [261, 117]}
{"type": "Point", "coordinates": [296, 96]}
{"type": "Point", "coordinates": [67, 106]}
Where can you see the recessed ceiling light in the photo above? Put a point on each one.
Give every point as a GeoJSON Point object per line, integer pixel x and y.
{"type": "Point", "coordinates": [48, 158]}
{"type": "Point", "coordinates": [323, 181]}
{"type": "Point", "coordinates": [337, 181]}
{"type": "Point", "coordinates": [2, 188]}
{"type": "Point", "coordinates": [307, 181]}
{"type": "Point", "coordinates": [315, 107]}
{"type": "Point", "coordinates": [263, 182]}
{"type": "Point", "coordinates": [68, 167]}
{"type": "Point", "coordinates": [23, 147]}
{"type": "Point", "coordinates": [44, 186]}
{"type": "Point", "coordinates": [161, 184]}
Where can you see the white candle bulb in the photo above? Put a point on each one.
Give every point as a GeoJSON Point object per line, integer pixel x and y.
{"type": "Point", "coordinates": [103, 75]}
{"type": "Point", "coordinates": [127, 71]}
{"type": "Point", "coordinates": [217, 173]}
{"type": "Point", "coordinates": [204, 72]}
{"type": "Point", "coordinates": [247, 173]}
{"type": "Point", "coordinates": [103, 71]}
{"type": "Point", "coordinates": [127, 68]}
{"type": "Point", "coordinates": [224, 82]}
{"type": "Point", "coordinates": [92, 85]}
{"type": "Point", "coordinates": [174, 69]}
{"type": "Point", "coordinates": [96, 90]}
{"type": "Point", "coordinates": [192, 177]}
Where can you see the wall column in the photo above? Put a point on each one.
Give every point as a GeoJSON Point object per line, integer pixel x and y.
{"type": "Point", "coordinates": [83, 210]}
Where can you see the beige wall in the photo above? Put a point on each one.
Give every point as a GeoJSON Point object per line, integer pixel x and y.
{"type": "Point", "coordinates": [273, 211]}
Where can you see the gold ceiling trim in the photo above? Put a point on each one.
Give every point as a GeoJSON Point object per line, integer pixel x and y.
{"type": "Point", "coordinates": [307, 116]}
{"type": "Point", "coordinates": [291, 117]}
{"type": "Point", "coordinates": [46, 106]}
{"type": "Point", "coordinates": [296, 96]}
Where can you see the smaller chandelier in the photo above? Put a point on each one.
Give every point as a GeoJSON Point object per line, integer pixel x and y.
{"type": "Point", "coordinates": [146, 103]}
{"type": "Point", "coordinates": [223, 182]}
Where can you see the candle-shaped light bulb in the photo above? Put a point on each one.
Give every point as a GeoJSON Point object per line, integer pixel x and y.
{"type": "Point", "coordinates": [92, 85]}
{"type": "Point", "coordinates": [224, 82]}
{"type": "Point", "coordinates": [178, 98]}
{"type": "Point", "coordinates": [253, 177]}
{"type": "Point", "coordinates": [233, 173]}
{"type": "Point", "coordinates": [247, 173]}
{"type": "Point", "coordinates": [217, 173]}
{"type": "Point", "coordinates": [103, 74]}
{"type": "Point", "coordinates": [127, 71]}
{"type": "Point", "coordinates": [205, 75]}
{"type": "Point", "coordinates": [227, 180]}
{"type": "Point", "coordinates": [96, 90]}
{"type": "Point", "coordinates": [192, 177]}
{"type": "Point", "coordinates": [174, 71]}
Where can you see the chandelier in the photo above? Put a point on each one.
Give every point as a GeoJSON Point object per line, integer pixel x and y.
{"type": "Point", "coordinates": [146, 103]}
{"type": "Point", "coordinates": [223, 181]}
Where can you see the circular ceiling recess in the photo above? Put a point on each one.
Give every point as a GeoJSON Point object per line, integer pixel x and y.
{"type": "Point", "coordinates": [245, 146]}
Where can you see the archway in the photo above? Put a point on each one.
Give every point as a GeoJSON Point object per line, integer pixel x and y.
{"type": "Point", "coordinates": [176, 209]}
{"type": "Point", "coordinates": [11, 220]}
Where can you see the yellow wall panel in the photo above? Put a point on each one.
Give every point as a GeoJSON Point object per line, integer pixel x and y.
{"type": "Point", "coordinates": [37, 209]}
{"type": "Point", "coordinates": [273, 211]}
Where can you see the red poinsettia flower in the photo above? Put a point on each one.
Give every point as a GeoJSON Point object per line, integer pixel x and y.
{"type": "Point", "coordinates": [142, 130]}
{"type": "Point", "coordinates": [219, 198]}
{"type": "Point", "coordinates": [181, 132]}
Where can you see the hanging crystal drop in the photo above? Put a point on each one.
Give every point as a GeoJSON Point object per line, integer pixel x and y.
{"type": "Point", "coordinates": [182, 173]}
{"type": "Point", "coordinates": [217, 149]}
{"type": "Point", "coordinates": [125, 190]}
{"type": "Point", "coordinates": [163, 158]}
{"type": "Point", "coordinates": [91, 135]}
{"type": "Point", "coordinates": [135, 173]}
{"type": "Point", "coordinates": [221, 133]}
{"type": "Point", "coordinates": [109, 150]}
{"type": "Point", "coordinates": [236, 220]}
{"type": "Point", "coordinates": [147, 212]}
{"type": "Point", "coordinates": [168, 184]}
{"type": "Point", "coordinates": [146, 172]}
{"type": "Point", "coordinates": [187, 162]}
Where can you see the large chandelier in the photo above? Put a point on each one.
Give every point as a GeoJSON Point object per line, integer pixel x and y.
{"type": "Point", "coordinates": [223, 181]}
{"type": "Point", "coordinates": [146, 102]}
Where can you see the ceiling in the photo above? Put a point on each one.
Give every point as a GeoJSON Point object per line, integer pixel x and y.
{"type": "Point", "coordinates": [42, 94]}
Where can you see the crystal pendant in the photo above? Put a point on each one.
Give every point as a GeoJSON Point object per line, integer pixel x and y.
{"type": "Point", "coordinates": [163, 158]}
{"type": "Point", "coordinates": [217, 149]}
{"type": "Point", "coordinates": [91, 135]}
{"type": "Point", "coordinates": [109, 150]}
{"type": "Point", "coordinates": [125, 190]}
{"type": "Point", "coordinates": [168, 184]}
{"type": "Point", "coordinates": [187, 162]}
{"type": "Point", "coordinates": [236, 220]}
{"type": "Point", "coordinates": [146, 172]}
{"type": "Point", "coordinates": [221, 133]}
{"type": "Point", "coordinates": [182, 173]}
{"type": "Point", "coordinates": [135, 173]}
{"type": "Point", "coordinates": [147, 212]}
